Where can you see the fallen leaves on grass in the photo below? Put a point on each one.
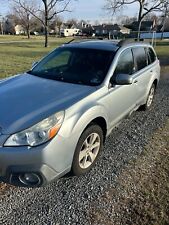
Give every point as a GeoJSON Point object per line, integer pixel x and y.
{"type": "Point", "coordinates": [4, 188]}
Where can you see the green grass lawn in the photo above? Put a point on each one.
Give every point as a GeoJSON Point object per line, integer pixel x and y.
{"type": "Point", "coordinates": [18, 56]}
{"type": "Point", "coordinates": [24, 38]}
{"type": "Point", "coordinates": [162, 50]}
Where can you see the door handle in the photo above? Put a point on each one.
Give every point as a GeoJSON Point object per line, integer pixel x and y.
{"type": "Point", "coordinates": [136, 81]}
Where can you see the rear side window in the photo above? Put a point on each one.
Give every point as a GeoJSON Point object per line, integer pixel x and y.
{"type": "Point", "coordinates": [125, 63]}
{"type": "Point", "coordinates": [140, 58]}
{"type": "Point", "coordinates": [151, 56]}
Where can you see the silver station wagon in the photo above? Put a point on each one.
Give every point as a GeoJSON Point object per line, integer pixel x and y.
{"type": "Point", "coordinates": [55, 118]}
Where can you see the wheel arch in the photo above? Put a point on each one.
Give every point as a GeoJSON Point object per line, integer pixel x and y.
{"type": "Point", "coordinates": [93, 115]}
{"type": "Point", "coordinates": [101, 122]}
{"type": "Point", "coordinates": [155, 83]}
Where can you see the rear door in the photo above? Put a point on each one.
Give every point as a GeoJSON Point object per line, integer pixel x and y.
{"type": "Point", "coordinates": [153, 62]}
{"type": "Point", "coordinates": [142, 72]}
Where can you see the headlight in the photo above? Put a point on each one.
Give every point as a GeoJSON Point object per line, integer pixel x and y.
{"type": "Point", "coordinates": [39, 133]}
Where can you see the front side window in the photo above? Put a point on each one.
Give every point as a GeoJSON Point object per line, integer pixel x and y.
{"type": "Point", "coordinates": [140, 57]}
{"type": "Point", "coordinates": [125, 63]}
{"type": "Point", "coordinates": [75, 65]}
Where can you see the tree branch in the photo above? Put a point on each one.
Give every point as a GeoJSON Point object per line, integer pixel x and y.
{"type": "Point", "coordinates": [32, 12]}
{"type": "Point", "coordinates": [61, 11]}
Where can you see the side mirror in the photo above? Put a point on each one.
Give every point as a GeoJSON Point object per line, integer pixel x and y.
{"type": "Point", "coordinates": [34, 64]}
{"type": "Point", "coordinates": [123, 79]}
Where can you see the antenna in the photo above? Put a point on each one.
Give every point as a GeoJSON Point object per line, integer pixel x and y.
{"type": "Point", "coordinates": [69, 42]}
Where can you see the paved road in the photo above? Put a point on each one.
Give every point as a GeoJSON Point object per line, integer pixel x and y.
{"type": "Point", "coordinates": [68, 200]}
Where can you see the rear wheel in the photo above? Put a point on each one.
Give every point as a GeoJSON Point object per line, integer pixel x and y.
{"type": "Point", "coordinates": [87, 151]}
{"type": "Point", "coordinates": [150, 98]}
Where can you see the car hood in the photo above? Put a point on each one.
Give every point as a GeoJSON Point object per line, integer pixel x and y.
{"type": "Point", "coordinates": [26, 99]}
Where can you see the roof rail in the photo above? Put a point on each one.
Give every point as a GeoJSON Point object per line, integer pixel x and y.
{"type": "Point", "coordinates": [128, 41]}
{"type": "Point", "coordinates": [84, 39]}
{"type": "Point", "coordinates": [118, 43]}
{"type": "Point", "coordinates": [123, 42]}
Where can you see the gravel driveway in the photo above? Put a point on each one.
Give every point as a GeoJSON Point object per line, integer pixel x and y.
{"type": "Point", "coordinates": [68, 200]}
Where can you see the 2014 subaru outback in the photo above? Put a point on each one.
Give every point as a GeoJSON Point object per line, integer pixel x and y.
{"type": "Point", "coordinates": [55, 118]}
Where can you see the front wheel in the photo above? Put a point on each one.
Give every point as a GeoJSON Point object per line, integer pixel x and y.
{"type": "Point", "coordinates": [87, 150]}
{"type": "Point", "coordinates": [149, 98]}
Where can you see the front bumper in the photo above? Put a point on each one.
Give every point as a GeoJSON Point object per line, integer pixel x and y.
{"type": "Point", "coordinates": [44, 173]}
{"type": "Point", "coordinates": [48, 161]}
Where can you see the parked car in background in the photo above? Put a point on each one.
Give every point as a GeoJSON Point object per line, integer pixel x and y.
{"type": "Point", "coordinates": [69, 32]}
{"type": "Point", "coordinates": [55, 118]}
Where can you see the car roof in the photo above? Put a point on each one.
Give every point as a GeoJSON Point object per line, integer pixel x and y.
{"type": "Point", "coordinates": [94, 44]}
{"type": "Point", "coordinates": [107, 45]}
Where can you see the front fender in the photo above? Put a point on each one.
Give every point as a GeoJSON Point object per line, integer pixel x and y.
{"type": "Point", "coordinates": [75, 124]}
{"type": "Point", "coordinates": [88, 116]}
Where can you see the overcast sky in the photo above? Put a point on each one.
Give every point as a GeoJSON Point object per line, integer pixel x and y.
{"type": "Point", "coordinates": [84, 9]}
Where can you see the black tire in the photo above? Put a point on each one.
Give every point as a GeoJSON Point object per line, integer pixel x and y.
{"type": "Point", "coordinates": [93, 129]}
{"type": "Point", "coordinates": [148, 104]}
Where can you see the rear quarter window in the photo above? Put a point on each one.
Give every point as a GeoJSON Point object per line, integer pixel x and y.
{"type": "Point", "coordinates": [140, 57]}
{"type": "Point", "coordinates": [151, 56]}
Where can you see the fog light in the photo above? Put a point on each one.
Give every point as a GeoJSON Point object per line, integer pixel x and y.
{"type": "Point", "coordinates": [31, 179]}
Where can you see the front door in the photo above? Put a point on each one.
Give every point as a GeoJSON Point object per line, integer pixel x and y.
{"type": "Point", "coordinates": [121, 99]}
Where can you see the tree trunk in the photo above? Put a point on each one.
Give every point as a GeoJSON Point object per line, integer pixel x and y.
{"type": "Point", "coordinates": [164, 23]}
{"type": "Point", "coordinates": [46, 23]}
{"type": "Point", "coordinates": [28, 25]}
{"type": "Point", "coordinates": [141, 4]}
{"type": "Point", "coordinates": [162, 34]}
{"type": "Point", "coordinates": [46, 36]}
{"type": "Point", "coordinates": [28, 33]}
{"type": "Point", "coordinates": [139, 30]}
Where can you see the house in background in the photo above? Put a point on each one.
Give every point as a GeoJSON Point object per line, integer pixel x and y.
{"type": "Point", "coordinates": [145, 26]}
{"type": "Point", "coordinates": [67, 30]}
{"type": "Point", "coordinates": [110, 30]}
{"type": "Point", "coordinates": [19, 30]}
{"type": "Point", "coordinates": [124, 30]}
{"type": "Point", "coordinates": [88, 31]}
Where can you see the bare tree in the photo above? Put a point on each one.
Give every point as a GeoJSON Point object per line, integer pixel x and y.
{"type": "Point", "coordinates": [72, 22]}
{"type": "Point", "coordinates": [126, 20]}
{"type": "Point", "coordinates": [58, 22]}
{"type": "Point", "coordinates": [145, 7]}
{"type": "Point", "coordinates": [9, 24]}
{"type": "Point", "coordinates": [164, 20]}
{"type": "Point", "coordinates": [24, 14]}
{"type": "Point", "coordinates": [49, 9]}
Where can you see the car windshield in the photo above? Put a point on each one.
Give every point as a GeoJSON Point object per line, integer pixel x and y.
{"type": "Point", "coordinates": [75, 65]}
